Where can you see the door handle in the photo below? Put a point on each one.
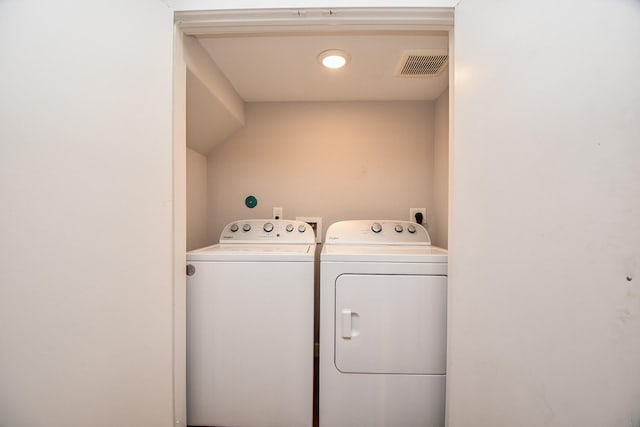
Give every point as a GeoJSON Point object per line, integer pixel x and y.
{"type": "Point", "coordinates": [346, 324]}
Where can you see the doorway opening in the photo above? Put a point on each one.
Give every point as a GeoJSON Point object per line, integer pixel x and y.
{"type": "Point", "coordinates": [255, 113]}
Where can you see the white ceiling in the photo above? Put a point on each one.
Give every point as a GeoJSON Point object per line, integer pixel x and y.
{"type": "Point", "coordinates": [284, 67]}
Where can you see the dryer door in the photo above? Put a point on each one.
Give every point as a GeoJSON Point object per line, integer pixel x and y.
{"type": "Point", "coordinates": [391, 324]}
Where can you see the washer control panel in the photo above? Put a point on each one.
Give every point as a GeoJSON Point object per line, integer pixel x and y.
{"type": "Point", "coordinates": [267, 231]}
{"type": "Point", "coordinates": [367, 232]}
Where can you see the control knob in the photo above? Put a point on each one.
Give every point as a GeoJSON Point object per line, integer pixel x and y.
{"type": "Point", "coordinates": [302, 228]}
{"type": "Point", "coordinates": [289, 228]}
{"type": "Point", "coordinates": [376, 227]}
{"type": "Point", "coordinates": [246, 227]}
{"type": "Point", "coordinates": [268, 227]}
{"type": "Point", "coordinates": [399, 228]}
{"type": "Point", "coordinates": [233, 228]}
{"type": "Point", "coordinates": [411, 229]}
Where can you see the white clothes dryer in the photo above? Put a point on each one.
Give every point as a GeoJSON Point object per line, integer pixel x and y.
{"type": "Point", "coordinates": [250, 309]}
{"type": "Point", "coordinates": [383, 313]}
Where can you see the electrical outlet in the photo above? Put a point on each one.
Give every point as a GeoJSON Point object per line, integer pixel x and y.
{"type": "Point", "coordinates": [277, 213]}
{"type": "Point", "coordinates": [315, 223]}
{"type": "Point", "coordinates": [414, 211]}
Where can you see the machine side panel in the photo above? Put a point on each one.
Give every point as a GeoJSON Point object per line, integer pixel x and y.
{"type": "Point", "coordinates": [250, 344]}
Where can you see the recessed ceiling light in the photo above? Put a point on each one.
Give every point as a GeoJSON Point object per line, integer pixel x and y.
{"type": "Point", "coordinates": [333, 58]}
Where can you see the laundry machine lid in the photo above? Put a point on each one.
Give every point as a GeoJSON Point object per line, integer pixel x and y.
{"type": "Point", "coordinates": [253, 253]}
{"type": "Point", "coordinates": [384, 253]}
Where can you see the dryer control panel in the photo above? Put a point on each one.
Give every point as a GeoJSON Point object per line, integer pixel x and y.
{"type": "Point", "coordinates": [383, 232]}
{"type": "Point", "coordinates": [265, 231]}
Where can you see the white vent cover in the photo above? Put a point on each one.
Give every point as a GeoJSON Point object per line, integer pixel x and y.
{"type": "Point", "coordinates": [422, 62]}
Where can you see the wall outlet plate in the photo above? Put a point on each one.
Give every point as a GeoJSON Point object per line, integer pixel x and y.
{"type": "Point", "coordinates": [414, 211]}
{"type": "Point", "coordinates": [277, 213]}
{"type": "Point", "coordinates": [315, 223]}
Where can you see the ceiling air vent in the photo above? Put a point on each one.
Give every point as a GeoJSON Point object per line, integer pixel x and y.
{"type": "Point", "coordinates": [422, 63]}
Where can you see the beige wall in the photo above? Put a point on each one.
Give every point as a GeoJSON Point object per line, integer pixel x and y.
{"type": "Point", "coordinates": [196, 200]}
{"type": "Point", "coordinates": [333, 160]}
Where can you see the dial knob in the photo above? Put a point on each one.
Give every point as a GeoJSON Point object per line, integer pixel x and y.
{"type": "Point", "coordinates": [302, 228]}
{"type": "Point", "coordinates": [246, 227]}
{"type": "Point", "coordinates": [376, 227]}
{"type": "Point", "coordinates": [399, 228]}
{"type": "Point", "coordinates": [268, 227]}
{"type": "Point", "coordinates": [289, 228]}
{"type": "Point", "coordinates": [411, 229]}
{"type": "Point", "coordinates": [233, 228]}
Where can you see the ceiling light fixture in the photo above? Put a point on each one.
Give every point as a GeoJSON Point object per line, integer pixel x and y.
{"type": "Point", "coordinates": [333, 58]}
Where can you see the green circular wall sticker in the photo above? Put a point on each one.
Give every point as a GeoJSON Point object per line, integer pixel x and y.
{"type": "Point", "coordinates": [251, 201]}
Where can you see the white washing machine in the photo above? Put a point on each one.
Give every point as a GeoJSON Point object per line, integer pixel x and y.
{"type": "Point", "coordinates": [250, 327]}
{"type": "Point", "coordinates": [383, 314]}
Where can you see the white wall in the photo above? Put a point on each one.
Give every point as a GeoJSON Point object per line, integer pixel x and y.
{"type": "Point", "coordinates": [261, 4]}
{"type": "Point", "coordinates": [196, 200]}
{"type": "Point", "coordinates": [544, 213]}
{"type": "Point", "coordinates": [214, 109]}
{"type": "Point", "coordinates": [86, 217]}
{"type": "Point", "coordinates": [335, 160]}
{"type": "Point", "coordinates": [439, 215]}
{"type": "Point", "coordinates": [545, 223]}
